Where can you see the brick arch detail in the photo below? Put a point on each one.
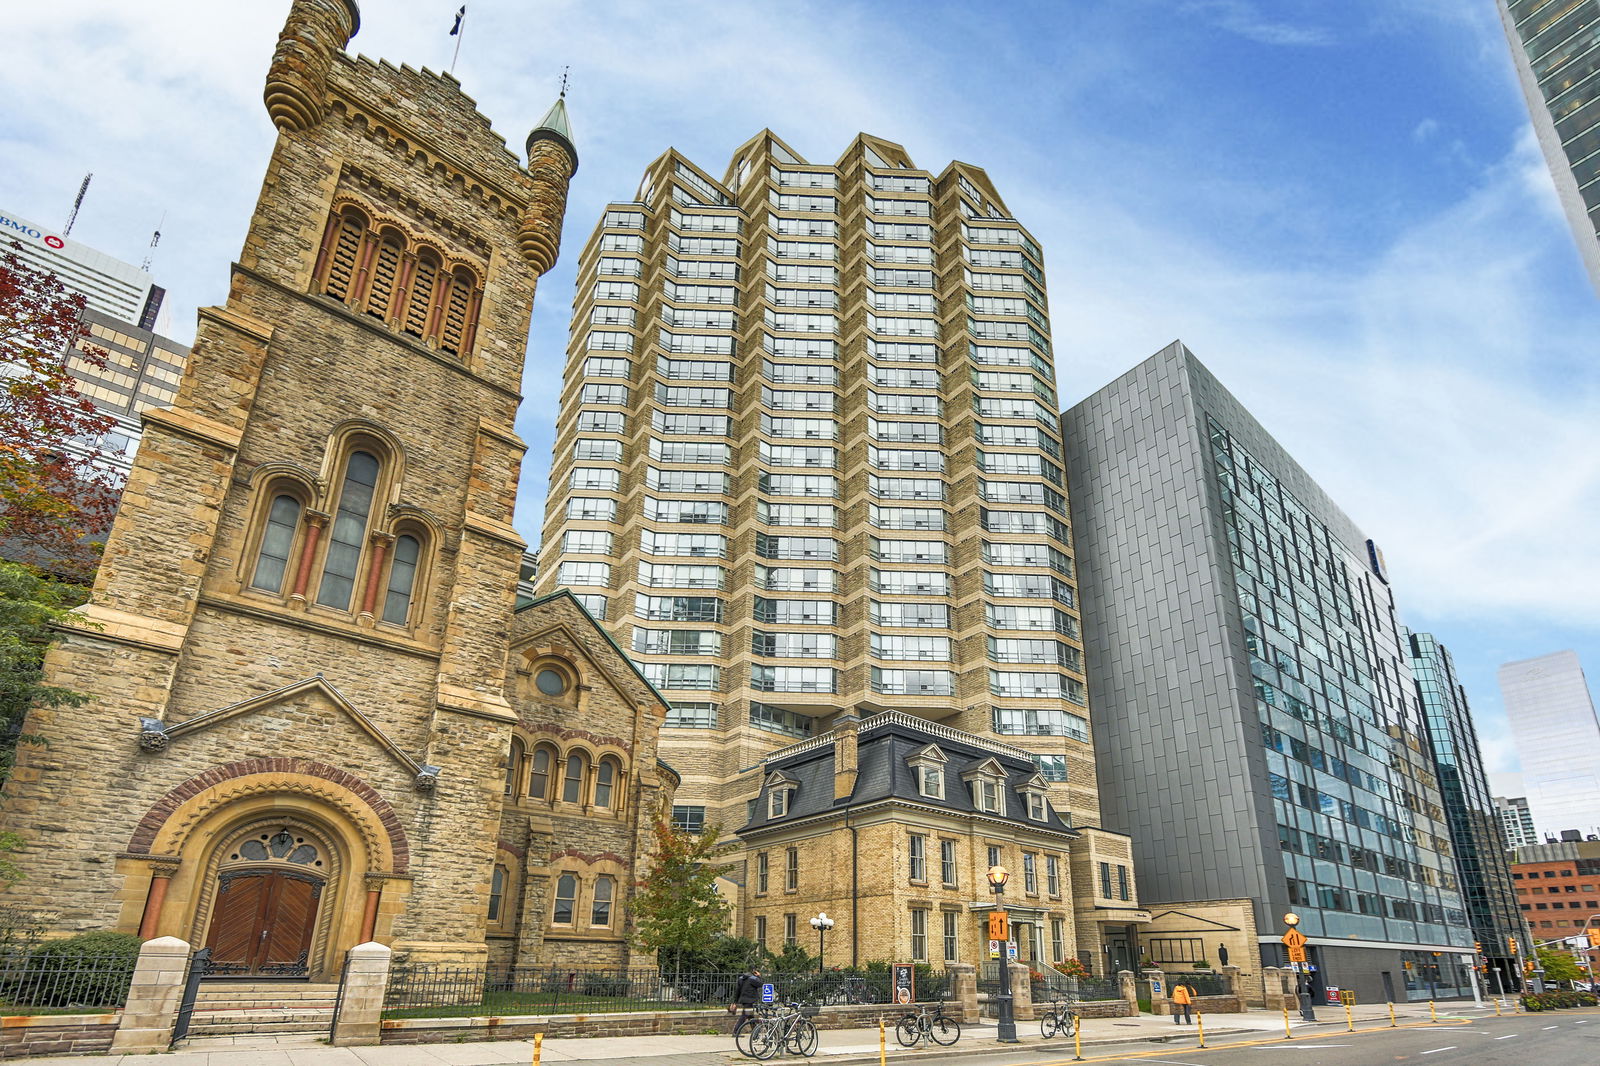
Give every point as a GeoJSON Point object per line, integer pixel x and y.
{"type": "Point", "coordinates": [144, 834]}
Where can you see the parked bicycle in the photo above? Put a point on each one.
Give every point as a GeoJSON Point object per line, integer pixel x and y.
{"type": "Point", "coordinates": [1058, 1019]}
{"type": "Point", "coordinates": [788, 1029]}
{"type": "Point", "coordinates": [745, 1028]}
{"type": "Point", "coordinates": [927, 1023]}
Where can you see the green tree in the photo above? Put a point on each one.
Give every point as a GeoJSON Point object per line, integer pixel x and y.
{"type": "Point", "coordinates": [32, 606]}
{"type": "Point", "coordinates": [1559, 966]}
{"type": "Point", "coordinates": [678, 913]}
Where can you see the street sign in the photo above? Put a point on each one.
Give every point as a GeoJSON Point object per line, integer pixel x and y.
{"type": "Point", "coordinates": [1011, 950]}
{"type": "Point", "coordinates": [1294, 938]}
{"type": "Point", "coordinates": [769, 993]}
{"type": "Point", "coordinates": [994, 949]}
{"type": "Point", "coordinates": [1297, 954]}
{"type": "Point", "coordinates": [999, 926]}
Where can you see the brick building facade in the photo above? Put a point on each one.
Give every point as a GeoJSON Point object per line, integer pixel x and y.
{"type": "Point", "coordinates": [304, 667]}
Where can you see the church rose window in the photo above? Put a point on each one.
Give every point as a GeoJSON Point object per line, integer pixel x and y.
{"type": "Point", "coordinates": [551, 682]}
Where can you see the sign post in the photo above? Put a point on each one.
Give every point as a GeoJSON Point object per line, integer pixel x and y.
{"type": "Point", "coordinates": [905, 983]}
{"type": "Point", "coordinates": [1295, 941]}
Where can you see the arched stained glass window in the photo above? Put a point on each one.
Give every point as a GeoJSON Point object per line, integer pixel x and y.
{"type": "Point", "coordinates": [402, 579]}
{"type": "Point", "coordinates": [272, 562]}
{"type": "Point", "coordinates": [349, 531]}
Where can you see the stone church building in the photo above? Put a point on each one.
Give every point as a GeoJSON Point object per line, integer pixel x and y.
{"type": "Point", "coordinates": [316, 716]}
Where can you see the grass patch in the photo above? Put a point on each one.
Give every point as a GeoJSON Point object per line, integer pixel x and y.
{"type": "Point", "coordinates": [13, 1010]}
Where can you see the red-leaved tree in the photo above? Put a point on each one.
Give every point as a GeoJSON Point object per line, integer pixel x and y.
{"type": "Point", "coordinates": [56, 504]}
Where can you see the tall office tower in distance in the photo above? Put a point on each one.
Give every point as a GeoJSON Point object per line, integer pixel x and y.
{"type": "Point", "coordinates": [1555, 49]}
{"type": "Point", "coordinates": [1479, 840]}
{"type": "Point", "coordinates": [1255, 718]}
{"type": "Point", "coordinates": [112, 286]}
{"type": "Point", "coordinates": [808, 463]}
{"type": "Point", "coordinates": [1516, 820]}
{"type": "Point", "coordinates": [1553, 722]}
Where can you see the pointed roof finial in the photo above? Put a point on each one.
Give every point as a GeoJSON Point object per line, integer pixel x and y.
{"type": "Point", "coordinates": [556, 126]}
{"type": "Point", "coordinates": [564, 72]}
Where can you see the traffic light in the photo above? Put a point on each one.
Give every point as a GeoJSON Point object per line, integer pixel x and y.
{"type": "Point", "coordinates": [1511, 942]}
{"type": "Point", "coordinates": [1477, 947]}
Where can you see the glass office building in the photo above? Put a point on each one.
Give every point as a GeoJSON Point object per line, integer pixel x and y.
{"type": "Point", "coordinates": [1258, 730]}
{"type": "Point", "coordinates": [1475, 827]}
{"type": "Point", "coordinates": [1556, 47]}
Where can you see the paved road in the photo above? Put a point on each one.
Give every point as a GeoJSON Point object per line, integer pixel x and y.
{"type": "Point", "coordinates": [1558, 1038]}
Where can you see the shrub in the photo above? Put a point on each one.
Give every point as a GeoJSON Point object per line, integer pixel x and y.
{"type": "Point", "coordinates": [89, 970]}
{"type": "Point", "coordinates": [599, 984]}
{"type": "Point", "coordinates": [1557, 1000]}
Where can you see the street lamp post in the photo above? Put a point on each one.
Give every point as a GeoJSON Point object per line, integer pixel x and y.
{"type": "Point", "coordinates": [1302, 979]}
{"type": "Point", "coordinates": [821, 923]}
{"type": "Point", "coordinates": [1007, 1022]}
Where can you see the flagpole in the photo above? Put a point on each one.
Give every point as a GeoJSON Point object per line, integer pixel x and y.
{"type": "Point", "coordinates": [461, 31]}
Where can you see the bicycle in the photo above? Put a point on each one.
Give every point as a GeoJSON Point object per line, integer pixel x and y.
{"type": "Point", "coordinates": [789, 1029]}
{"type": "Point", "coordinates": [927, 1023]}
{"type": "Point", "coordinates": [1058, 1018]}
{"type": "Point", "coordinates": [749, 1019]}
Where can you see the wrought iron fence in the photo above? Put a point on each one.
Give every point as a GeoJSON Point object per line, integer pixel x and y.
{"type": "Point", "coordinates": [429, 990]}
{"type": "Point", "coordinates": [1206, 984]}
{"type": "Point", "coordinates": [1076, 989]}
{"type": "Point", "coordinates": [44, 983]}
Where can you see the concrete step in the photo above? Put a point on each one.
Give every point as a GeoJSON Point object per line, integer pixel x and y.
{"type": "Point", "coordinates": [266, 996]}
{"type": "Point", "coordinates": [223, 1028]}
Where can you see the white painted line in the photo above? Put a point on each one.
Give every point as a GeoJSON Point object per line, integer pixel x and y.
{"type": "Point", "coordinates": [1552, 1027]}
{"type": "Point", "coordinates": [1450, 1048]}
{"type": "Point", "coordinates": [1508, 1036]}
{"type": "Point", "coordinates": [1174, 1062]}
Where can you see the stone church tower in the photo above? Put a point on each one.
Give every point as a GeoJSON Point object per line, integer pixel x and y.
{"type": "Point", "coordinates": [300, 714]}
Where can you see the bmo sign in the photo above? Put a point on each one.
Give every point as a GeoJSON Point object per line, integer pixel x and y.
{"type": "Point", "coordinates": [9, 226]}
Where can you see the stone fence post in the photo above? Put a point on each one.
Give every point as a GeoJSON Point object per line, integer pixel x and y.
{"type": "Point", "coordinates": [153, 997]}
{"type": "Point", "coordinates": [964, 990]}
{"type": "Point", "coordinates": [1021, 991]}
{"type": "Point", "coordinates": [1160, 1002]}
{"type": "Point", "coordinates": [1274, 987]}
{"type": "Point", "coordinates": [361, 988]}
{"type": "Point", "coordinates": [1128, 986]}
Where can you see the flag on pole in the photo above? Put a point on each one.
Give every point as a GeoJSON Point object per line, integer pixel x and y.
{"type": "Point", "coordinates": [460, 15]}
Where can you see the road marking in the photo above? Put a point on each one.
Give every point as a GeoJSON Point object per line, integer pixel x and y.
{"type": "Point", "coordinates": [1175, 1062]}
{"type": "Point", "coordinates": [1508, 1036]}
{"type": "Point", "coordinates": [1450, 1048]}
{"type": "Point", "coordinates": [1552, 1027]}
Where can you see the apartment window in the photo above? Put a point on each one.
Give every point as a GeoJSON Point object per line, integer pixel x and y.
{"type": "Point", "coordinates": [791, 869]}
{"type": "Point", "coordinates": [689, 819]}
{"type": "Point", "coordinates": [566, 900]}
{"type": "Point", "coordinates": [952, 939]}
{"type": "Point", "coordinates": [1058, 940]}
{"type": "Point", "coordinates": [761, 930]}
{"type": "Point", "coordinates": [497, 893]}
{"type": "Point", "coordinates": [919, 857]}
{"type": "Point", "coordinates": [994, 855]}
{"type": "Point", "coordinates": [600, 906]}
{"type": "Point", "coordinates": [1030, 873]}
{"type": "Point", "coordinates": [919, 935]}
{"type": "Point", "coordinates": [692, 715]}
{"type": "Point", "coordinates": [1052, 875]}
{"type": "Point", "coordinates": [778, 803]}
{"type": "Point", "coordinates": [761, 871]}
{"type": "Point", "coordinates": [789, 930]}
{"type": "Point", "coordinates": [947, 866]}
{"type": "Point", "coordinates": [930, 781]}
{"type": "Point", "coordinates": [986, 795]}
{"type": "Point", "coordinates": [1105, 880]}
{"type": "Point", "coordinates": [1037, 809]}
{"type": "Point", "coordinates": [1122, 882]}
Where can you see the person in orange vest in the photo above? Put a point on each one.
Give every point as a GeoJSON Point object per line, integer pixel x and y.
{"type": "Point", "coordinates": [1182, 999]}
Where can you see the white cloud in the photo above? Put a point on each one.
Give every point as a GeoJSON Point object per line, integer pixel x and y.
{"type": "Point", "coordinates": [1245, 19]}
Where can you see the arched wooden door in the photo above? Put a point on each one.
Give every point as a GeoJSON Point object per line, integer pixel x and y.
{"type": "Point", "coordinates": [265, 915]}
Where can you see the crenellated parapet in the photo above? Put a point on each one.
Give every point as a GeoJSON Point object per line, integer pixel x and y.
{"type": "Point", "coordinates": [297, 82]}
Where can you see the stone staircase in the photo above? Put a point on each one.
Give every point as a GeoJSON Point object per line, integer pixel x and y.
{"type": "Point", "coordinates": [273, 1008]}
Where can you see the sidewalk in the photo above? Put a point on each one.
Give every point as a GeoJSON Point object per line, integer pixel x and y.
{"type": "Point", "coordinates": [837, 1047]}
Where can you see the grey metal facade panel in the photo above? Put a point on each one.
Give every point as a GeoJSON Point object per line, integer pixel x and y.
{"type": "Point", "coordinates": [1167, 670]}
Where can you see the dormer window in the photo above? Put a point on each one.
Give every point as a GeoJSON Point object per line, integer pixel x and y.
{"type": "Point", "coordinates": [780, 794]}
{"type": "Point", "coordinates": [987, 780]}
{"type": "Point", "coordinates": [1036, 790]}
{"type": "Point", "coordinates": [928, 763]}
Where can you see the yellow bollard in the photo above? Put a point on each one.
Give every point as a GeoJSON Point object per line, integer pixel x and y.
{"type": "Point", "coordinates": [1286, 1020]}
{"type": "Point", "coordinates": [882, 1052]}
{"type": "Point", "coordinates": [1200, 1020]}
{"type": "Point", "coordinates": [1391, 1015]}
{"type": "Point", "coordinates": [1349, 1017]}
{"type": "Point", "coordinates": [1432, 1013]}
{"type": "Point", "coordinates": [538, 1047]}
{"type": "Point", "coordinates": [1497, 1007]}
{"type": "Point", "coordinates": [1077, 1041]}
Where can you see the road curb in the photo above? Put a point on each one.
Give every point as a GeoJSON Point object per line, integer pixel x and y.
{"type": "Point", "coordinates": [991, 1045]}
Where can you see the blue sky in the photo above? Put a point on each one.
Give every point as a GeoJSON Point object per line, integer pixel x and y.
{"type": "Point", "coordinates": [1338, 206]}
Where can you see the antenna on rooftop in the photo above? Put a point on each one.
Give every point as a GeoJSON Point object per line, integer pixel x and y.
{"type": "Point", "coordinates": [77, 204]}
{"type": "Point", "coordinates": [565, 71]}
{"type": "Point", "coordinates": [155, 239]}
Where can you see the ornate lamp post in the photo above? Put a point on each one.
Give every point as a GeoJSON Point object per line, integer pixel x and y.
{"type": "Point", "coordinates": [998, 876]}
{"type": "Point", "coordinates": [1296, 941]}
{"type": "Point", "coordinates": [821, 923]}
